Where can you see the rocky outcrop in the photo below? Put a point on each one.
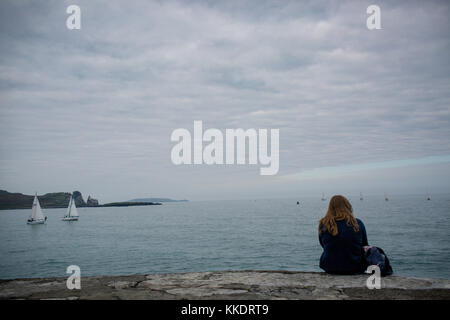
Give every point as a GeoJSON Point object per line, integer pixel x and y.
{"type": "Point", "coordinates": [228, 285]}
{"type": "Point", "coordinates": [78, 197]}
{"type": "Point", "coordinates": [91, 202]}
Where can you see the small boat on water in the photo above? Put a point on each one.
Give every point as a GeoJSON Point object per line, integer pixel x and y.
{"type": "Point", "coordinates": [72, 212]}
{"type": "Point", "coordinates": [385, 197]}
{"type": "Point", "coordinates": [361, 196]}
{"type": "Point", "coordinates": [323, 197]}
{"type": "Point", "coordinates": [37, 217]}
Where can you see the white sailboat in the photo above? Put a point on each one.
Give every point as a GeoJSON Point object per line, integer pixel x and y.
{"type": "Point", "coordinates": [361, 196]}
{"type": "Point", "coordinates": [323, 197]}
{"type": "Point", "coordinates": [37, 217]}
{"type": "Point", "coordinates": [72, 212]}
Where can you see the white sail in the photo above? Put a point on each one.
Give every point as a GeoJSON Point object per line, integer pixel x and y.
{"type": "Point", "coordinates": [69, 207]}
{"type": "Point", "coordinates": [36, 212]}
{"type": "Point", "coordinates": [73, 210]}
{"type": "Point", "coordinates": [34, 208]}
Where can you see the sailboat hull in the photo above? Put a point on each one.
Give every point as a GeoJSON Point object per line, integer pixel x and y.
{"type": "Point", "coordinates": [36, 222]}
{"type": "Point", "coordinates": [70, 219]}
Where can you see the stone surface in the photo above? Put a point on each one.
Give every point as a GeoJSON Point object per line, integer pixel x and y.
{"type": "Point", "coordinates": [227, 285]}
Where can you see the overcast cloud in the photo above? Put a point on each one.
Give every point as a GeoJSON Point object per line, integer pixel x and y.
{"type": "Point", "coordinates": [93, 109]}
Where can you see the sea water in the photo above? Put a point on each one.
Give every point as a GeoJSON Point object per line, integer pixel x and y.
{"type": "Point", "coordinates": [269, 234]}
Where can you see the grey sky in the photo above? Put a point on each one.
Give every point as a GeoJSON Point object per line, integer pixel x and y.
{"type": "Point", "coordinates": [93, 109]}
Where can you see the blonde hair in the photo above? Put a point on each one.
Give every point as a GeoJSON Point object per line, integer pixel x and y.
{"type": "Point", "coordinates": [339, 208]}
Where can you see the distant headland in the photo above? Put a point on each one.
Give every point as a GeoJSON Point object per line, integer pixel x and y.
{"type": "Point", "coordinates": [10, 200]}
{"type": "Point", "coordinates": [157, 200]}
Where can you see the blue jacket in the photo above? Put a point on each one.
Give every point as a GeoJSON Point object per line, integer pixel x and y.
{"type": "Point", "coordinates": [343, 254]}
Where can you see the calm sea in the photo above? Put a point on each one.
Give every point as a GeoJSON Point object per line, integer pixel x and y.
{"type": "Point", "coordinates": [220, 235]}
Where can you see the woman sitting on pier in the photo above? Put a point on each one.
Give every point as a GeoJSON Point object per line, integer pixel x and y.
{"type": "Point", "coordinates": [342, 238]}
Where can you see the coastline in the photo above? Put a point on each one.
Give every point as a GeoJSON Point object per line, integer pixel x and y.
{"type": "Point", "coordinates": [57, 200]}
{"type": "Point", "coordinates": [106, 205]}
{"type": "Point", "coordinates": [237, 285]}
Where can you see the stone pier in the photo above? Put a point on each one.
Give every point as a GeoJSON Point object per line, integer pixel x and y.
{"type": "Point", "coordinates": [228, 285]}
